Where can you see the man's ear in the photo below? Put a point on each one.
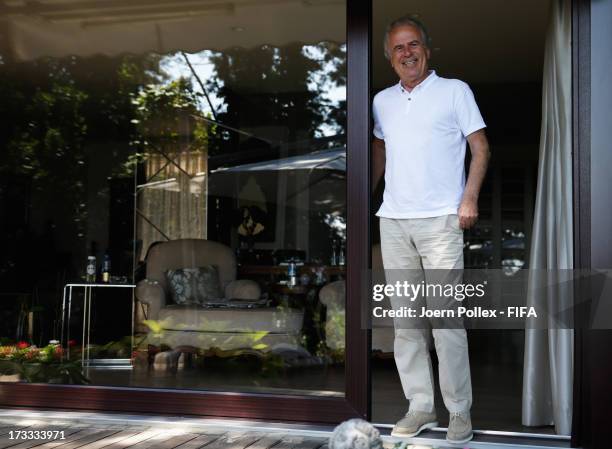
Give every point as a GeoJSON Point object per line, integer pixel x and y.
{"type": "Point", "coordinates": [428, 53]}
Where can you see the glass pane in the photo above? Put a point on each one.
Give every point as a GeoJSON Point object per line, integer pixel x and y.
{"type": "Point", "coordinates": [172, 194]}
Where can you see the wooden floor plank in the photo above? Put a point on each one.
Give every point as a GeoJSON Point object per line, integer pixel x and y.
{"type": "Point", "coordinates": [267, 442]}
{"type": "Point", "coordinates": [235, 442]}
{"type": "Point", "coordinates": [5, 439]}
{"type": "Point", "coordinates": [7, 429]}
{"type": "Point", "coordinates": [300, 443]}
{"type": "Point", "coordinates": [72, 437]}
{"type": "Point", "coordinates": [166, 440]}
{"type": "Point", "coordinates": [111, 439]}
{"type": "Point", "coordinates": [199, 442]}
{"type": "Point", "coordinates": [68, 431]}
{"type": "Point", "coordinates": [130, 442]}
{"type": "Point", "coordinates": [80, 438]}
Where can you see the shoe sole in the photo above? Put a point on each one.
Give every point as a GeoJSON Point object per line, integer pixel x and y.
{"type": "Point", "coordinates": [465, 440]}
{"type": "Point", "coordinates": [429, 425]}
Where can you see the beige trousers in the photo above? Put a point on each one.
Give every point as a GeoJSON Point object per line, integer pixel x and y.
{"type": "Point", "coordinates": [414, 246]}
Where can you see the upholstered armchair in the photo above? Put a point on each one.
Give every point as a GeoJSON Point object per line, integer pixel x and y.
{"type": "Point", "coordinates": [207, 327]}
{"type": "Point", "coordinates": [333, 297]}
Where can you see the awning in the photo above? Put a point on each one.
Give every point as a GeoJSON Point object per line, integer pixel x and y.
{"type": "Point", "coordinates": [60, 28]}
{"type": "Point", "coordinates": [331, 160]}
{"type": "Point", "coordinates": [334, 159]}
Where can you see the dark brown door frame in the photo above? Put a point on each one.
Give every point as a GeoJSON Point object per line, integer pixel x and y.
{"type": "Point", "coordinates": [593, 348]}
{"type": "Point", "coordinates": [581, 132]}
{"type": "Point", "coordinates": [356, 402]}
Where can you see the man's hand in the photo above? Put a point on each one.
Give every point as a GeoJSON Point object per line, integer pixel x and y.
{"type": "Point", "coordinates": [468, 213]}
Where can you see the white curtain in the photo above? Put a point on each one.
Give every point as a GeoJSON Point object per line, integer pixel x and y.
{"type": "Point", "coordinates": [172, 205]}
{"type": "Point", "coordinates": [548, 360]}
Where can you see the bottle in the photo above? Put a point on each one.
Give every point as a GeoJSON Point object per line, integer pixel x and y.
{"type": "Point", "coordinates": [292, 274]}
{"type": "Point", "coordinates": [91, 269]}
{"type": "Point", "coordinates": [341, 255]}
{"type": "Point", "coordinates": [334, 257]}
{"type": "Point", "coordinates": [106, 268]}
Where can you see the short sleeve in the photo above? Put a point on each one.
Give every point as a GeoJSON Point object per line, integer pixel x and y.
{"type": "Point", "coordinates": [377, 131]}
{"type": "Point", "coordinates": [467, 113]}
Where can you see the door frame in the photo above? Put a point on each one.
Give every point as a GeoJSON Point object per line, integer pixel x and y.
{"type": "Point", "coordinates": [581, 136]}
{"type": "Point", "coordinates": [357, 401]}
{"type": "Point", "coordinates": [593, 246]}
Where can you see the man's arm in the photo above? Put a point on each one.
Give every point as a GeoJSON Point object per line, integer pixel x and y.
{"type": "Point", "coordinates": [479, 147]}
{"type": "Point", "coordinates": [378, 161]}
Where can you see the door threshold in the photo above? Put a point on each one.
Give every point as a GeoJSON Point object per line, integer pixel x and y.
{"type": "Point", "coordinates": [483, 439]}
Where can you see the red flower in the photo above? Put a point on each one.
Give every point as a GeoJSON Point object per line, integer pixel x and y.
{"type": "Point", "coordinates": [58, 352]}
{"type": "Point", "coordinates": [32, 354]}
{"type": "Point", "coordinates": [71, 343]}
{"type": "Point", "coordinates": [22, 345]}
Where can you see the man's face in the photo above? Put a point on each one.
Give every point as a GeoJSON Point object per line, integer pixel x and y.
{"type": "Point", "coordinates": [408, 54]}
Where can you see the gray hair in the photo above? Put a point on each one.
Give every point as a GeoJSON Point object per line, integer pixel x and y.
{"type": "Point", "coordinates": [407, 20]}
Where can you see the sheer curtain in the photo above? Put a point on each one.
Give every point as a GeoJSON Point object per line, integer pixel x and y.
{"type": "Point", "coordinates": [548, 360]}
{"type": "Point", "coordinates": [172, 204]}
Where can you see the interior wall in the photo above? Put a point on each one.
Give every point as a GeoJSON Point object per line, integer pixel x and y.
{"type": "Point", "coordinates": [469, 39]}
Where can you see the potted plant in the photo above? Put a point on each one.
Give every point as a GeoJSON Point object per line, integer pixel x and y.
{"type": "Point", "coordinates": [29, 363]}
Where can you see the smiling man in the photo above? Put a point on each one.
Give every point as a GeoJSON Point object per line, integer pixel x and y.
{"type": "Point", "coordinates": [421, 126]}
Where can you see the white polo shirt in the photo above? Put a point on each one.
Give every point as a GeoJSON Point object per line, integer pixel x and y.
{"type": "Point", "coordinates": [425, 139]}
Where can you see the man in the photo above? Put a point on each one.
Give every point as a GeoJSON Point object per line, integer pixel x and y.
{"type": "Point", "coordinates": [421, 128]}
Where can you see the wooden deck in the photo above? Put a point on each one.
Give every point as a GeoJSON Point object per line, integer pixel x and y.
{"type": "Point", "coordinates": [87, 436]}
{"type": "Point", "coordinates": [94, 430]}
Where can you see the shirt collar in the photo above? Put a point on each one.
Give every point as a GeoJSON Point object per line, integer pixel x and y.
{"type": "Point", "coordinates": [422, 85]}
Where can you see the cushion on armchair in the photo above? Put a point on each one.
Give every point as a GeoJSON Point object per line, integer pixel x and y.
{"type": "Point", "coordinates": [243, 289]}
{"type": "Point", "coordinates": [194, 286]}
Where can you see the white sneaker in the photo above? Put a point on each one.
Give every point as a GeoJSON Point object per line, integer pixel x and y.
{"type": "Point", "coordinates": [414, 423]}
{"type": "Point", "coordinates": [459, 428]}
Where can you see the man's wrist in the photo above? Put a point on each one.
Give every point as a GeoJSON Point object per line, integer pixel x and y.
{"type": "Point", "coordinates": [470, 198]}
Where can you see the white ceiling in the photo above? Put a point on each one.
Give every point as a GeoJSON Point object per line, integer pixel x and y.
{"type": "Point", "coordinates": [479, 41]}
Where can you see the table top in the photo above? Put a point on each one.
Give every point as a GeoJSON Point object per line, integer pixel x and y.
{"type": "Point", "coordinates": [295, 290]}
{"type": "Point", "coordinates": [93, 284]}
{"type": "Point", "coordinates": [282, 269]}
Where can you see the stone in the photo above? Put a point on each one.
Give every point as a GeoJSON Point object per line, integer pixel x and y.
{"type": "Point", "coordinates": [355, 434]}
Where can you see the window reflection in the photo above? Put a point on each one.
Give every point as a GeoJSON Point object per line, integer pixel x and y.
{"type": "Point", "coordinates": [197, 154]}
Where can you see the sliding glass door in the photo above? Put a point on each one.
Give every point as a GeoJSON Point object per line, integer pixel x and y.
{"type": "Point", "coordinates": [175, 205]}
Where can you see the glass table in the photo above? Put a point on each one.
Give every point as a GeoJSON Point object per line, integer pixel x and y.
{"type": "Point", "coordinates": [87, 305]}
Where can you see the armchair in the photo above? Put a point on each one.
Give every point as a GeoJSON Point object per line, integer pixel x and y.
{"type": "Point", "coordinates": [224, 328]}
{"type": "Point", "coordinates": [333, 296]}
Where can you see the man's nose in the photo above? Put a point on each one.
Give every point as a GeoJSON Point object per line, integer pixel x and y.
{"type": "Point", "coordinates": [406, 51]}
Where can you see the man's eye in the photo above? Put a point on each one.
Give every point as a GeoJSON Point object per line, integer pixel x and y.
{"type": "Point", "coordinates": [414, 44]}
